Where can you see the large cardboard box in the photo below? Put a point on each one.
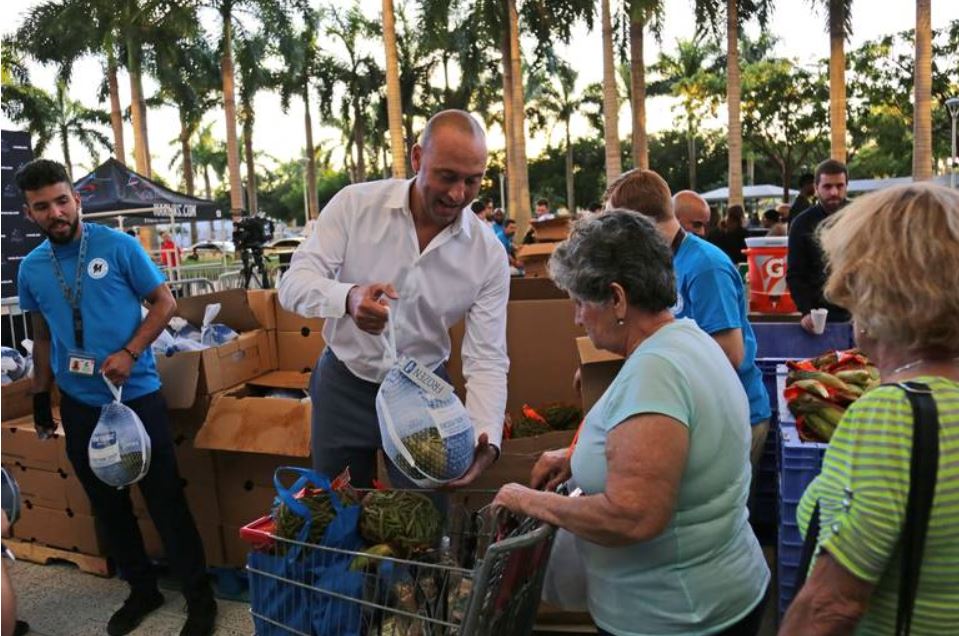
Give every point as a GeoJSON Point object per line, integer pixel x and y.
{"type": "Point", "coordinates": [235, 550]}
{"type": "Point", "coordinates": [552, 229]}
{"type": "Point", "coordinates": [535, 259]}
{"type": "Point", "coordinates": [59, 528]}
{"type": "Point", "coordinates": [289, 321]}
{"type": "Point", "coordinates": [534, 289]}
{"type": "Point", "coordinates": [517, 458]}
{"type": "Point", "coordinates": [41, 488]}
{"type": "Point", "coordinates": [298, 351]}
{"type": "Point", "coordinates": [189, 374]}
{"type": "Point", "coordinates": [242, 420]}
{"type": "Point", "coordinates": [242, 501]}
{"type": "Point", "coordinates": [597, 370]}
{"type": "Point", "coordinates": [263, 305]}
{"type": "Point", "coordinates": [19, 444]}
{"type": "Point", "coordinates": [77, 500]}
{"type": "Point", "coordinates": [16, 399]}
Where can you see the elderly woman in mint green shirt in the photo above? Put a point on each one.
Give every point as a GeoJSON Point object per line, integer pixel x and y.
{"type": "Point", "coordinates": [663, 456]}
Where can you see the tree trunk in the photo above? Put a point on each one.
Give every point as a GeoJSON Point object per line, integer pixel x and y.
{"type": "Point", "coordinates": [511, 203]}
{"type": "Point", "coordinates": [837, 82]}
{"type": "Point", "coordinates": [691, 153]}
{"type": "Point", "coordinates": [65, 148]}
{"type": "Point", "coordinates": [637, 76]}
{"type": "Point", "coordinates": [787, 176]}
{"type": "Point", "coordinates": [521, 174]}
{"type": "Point", "coordinates": [614, 163]}
{"type": "Point", "coordinates": [394, 101]}
{"type": "Point", "coordinates": [206, 182]}
{"type": "Point", "coordinates": [116, 117]}
{"type": "Point", "coordinates": [186, 156]}
{"type": "Point", "coordinates": [359, 134]}
{"type": "Point", "coordinates": [922, 118]}
{"type": "Point", "coordinates": [312, 198]}
{"type": "Point", "coordinates": [229, 108]}
{"type": "Point", "coordinates": [251, 202]}
{"type": "Point", "coordinates": [141, 147]}
{"type": "Point", "coordinates": [733, 90]}
{"type": "Point", "coordinates": [570, 184]}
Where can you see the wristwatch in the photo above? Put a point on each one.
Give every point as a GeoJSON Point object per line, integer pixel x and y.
{"type": "Point", "coordinates": [135, 356]}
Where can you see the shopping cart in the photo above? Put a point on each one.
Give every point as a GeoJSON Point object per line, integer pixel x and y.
{"type": "Point", "coordinates": [484, 577]}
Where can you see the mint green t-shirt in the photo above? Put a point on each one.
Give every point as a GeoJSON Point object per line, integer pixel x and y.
{"type": "Point", "coordinates": [706, 570]}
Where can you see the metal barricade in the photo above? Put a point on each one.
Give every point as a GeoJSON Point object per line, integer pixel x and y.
{"type": "Point", "coordinates": [186, 287]}
{"type": "Point", "coordinates": [486, 580]}
{"type": "Point", "coordinates": [16, 323]}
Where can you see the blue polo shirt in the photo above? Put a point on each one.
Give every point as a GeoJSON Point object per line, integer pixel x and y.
{"type": "Point", "coordinates": [118, 275]}
{"type": "Point", "coordinates": [710, 291]}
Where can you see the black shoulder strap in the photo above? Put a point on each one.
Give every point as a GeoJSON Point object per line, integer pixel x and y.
{"type": "Point", "coordinates": [922, 487]}
{"type": "Point", "coordinates": [808, 549]}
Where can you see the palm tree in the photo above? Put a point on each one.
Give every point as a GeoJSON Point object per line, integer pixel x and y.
{"type": "Point", "coordinates": [187, 70]}
{"type": "Point", "coordinates": [922, 120]}
{"type": "Point", "coordinates": [394, 100]}
{"type": "Point", "coordinates": [839, 24]}
{"type": "Point", "coordinates": [642, 14]}
{"type": "Point", "coordinates": [208, 154]}
{"type": "Point", "coordinates": [55, 116]}
{"type": "Point", "coordinates": [554, 100]}
{"type": "Point", "coordinates": [614, 162]}
{"type": "Point", "coordinates": [515, 120]}
{"type": "Point", "coordinates": [693, 76]}
{"type": "Point", "coordinates": [254, 77]}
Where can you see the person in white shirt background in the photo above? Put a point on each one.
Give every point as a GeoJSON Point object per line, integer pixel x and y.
{"type": "Point", "coordinates": [412, 252]}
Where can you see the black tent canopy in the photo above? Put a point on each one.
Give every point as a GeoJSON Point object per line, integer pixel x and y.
{"type": "Point", "coordinates": [113, 190]}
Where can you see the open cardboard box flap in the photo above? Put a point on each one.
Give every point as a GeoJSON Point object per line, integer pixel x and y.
{"type": "Point", "coordinates": [235, 310]}
{"type": "Point", "coordinates": [536, 250]}
{"type": "Point", "coordinates": [589, 354]}
{"type": "Point", "coordinates": [238, 420]}
{"type": "Point", "coordinates": [597, 369]}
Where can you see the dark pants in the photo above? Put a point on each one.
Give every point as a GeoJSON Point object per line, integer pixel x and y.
{"type": "Point", "coordinates": [346, 431]}
{"type": "Point", "coordinates": [748, 625]}
{"type": "Point", "coordinates": [162, 490]}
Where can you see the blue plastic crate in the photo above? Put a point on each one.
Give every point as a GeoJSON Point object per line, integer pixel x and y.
{"type": "Point", "coordinates": [789, 340]}
{"type": "Point", "coordinates": [800, 462]}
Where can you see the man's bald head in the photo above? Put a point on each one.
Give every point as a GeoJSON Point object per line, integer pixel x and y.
{"type": "Point", "coordinates": [691, 211]}
{"type": "Point", "coordinates": [452, 119]}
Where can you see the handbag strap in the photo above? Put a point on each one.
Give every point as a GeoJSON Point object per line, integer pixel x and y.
{"type": "Point", "coordinates": [923, 468]}
{"type": "Point", "coordinates": [922, 487]}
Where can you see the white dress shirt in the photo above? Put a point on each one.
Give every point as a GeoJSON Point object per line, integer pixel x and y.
{"type": "Point", "coordinates": [366, 235]}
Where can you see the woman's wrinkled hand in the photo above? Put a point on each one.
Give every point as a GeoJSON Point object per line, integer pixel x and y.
{"type": "Point", "coordinates": [551, 469]}
{"type": "Point", "coordinates": [513, 497]}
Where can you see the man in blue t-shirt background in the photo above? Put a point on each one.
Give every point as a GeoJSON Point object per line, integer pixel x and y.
{"type": "Point", "coordinates": [709, 289]}
{"type": "Point", "coordinates": [84, 287]}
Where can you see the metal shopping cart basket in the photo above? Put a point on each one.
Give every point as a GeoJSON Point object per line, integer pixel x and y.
{"type": "Point", "coordinates": [485, 577]}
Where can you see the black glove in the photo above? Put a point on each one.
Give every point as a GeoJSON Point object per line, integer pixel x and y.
{"type": "Point", "coordinates": [43, 415]}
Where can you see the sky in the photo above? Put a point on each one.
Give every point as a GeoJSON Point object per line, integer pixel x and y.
{"type": "Point", "coordinates": [798, 24]}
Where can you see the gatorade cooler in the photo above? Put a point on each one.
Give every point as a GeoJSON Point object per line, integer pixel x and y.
{"type": "Point", "coordinates": [768, 293]}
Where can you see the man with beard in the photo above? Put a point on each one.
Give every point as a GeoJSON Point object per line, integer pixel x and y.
{"type": "Point", "coordinates": [84, 287]}
{"type": "Point", "coordinates": [407, 252]}
{"type": "Point", "coordinates": [806, 269]}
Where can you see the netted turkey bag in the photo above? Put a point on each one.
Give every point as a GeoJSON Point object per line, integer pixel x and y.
{"type": "Point", "coordinates": [119, 448]}
{"type": "Point", "coordinates": [434, 430]}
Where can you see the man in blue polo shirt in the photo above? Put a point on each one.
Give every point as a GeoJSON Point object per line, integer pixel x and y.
{"type": "Point", "coordinates": [709, 289]}
{"type": "Point", "coordinates": [84, 287]}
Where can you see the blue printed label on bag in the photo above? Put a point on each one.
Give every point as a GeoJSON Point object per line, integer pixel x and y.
{"type": "Point", "coordinates": [424, 378]}
{"type": "Point", "coordinates": [104, 449]}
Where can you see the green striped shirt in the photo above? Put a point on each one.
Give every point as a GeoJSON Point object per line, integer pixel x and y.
{"type": "Point", "coordinates": [862, 492]}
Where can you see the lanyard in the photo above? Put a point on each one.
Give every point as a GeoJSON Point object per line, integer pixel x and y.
{"type": "Point", "coordinates": [73, 298]}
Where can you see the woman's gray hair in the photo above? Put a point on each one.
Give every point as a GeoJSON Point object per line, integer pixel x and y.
{"type": "Point", "coordinates": [618, 246]}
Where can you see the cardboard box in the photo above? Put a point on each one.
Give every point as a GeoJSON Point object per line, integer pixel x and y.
{"type": "Point", "coordinates": [189, 374]}
{"type": "Point", "coordinates": [59, 528]}
{"type": "Point", "coordinates": [535, 258]}
{"type": "Point", "coordinates": [534, 289]}
{"type": "Point", "coordinates": [289, 321]}
{"type": "Point", "coordinates": [194, 464]}
{"type": "Point", "coordinates": [256, 468]}
{"type": "Point", "coordinates": [263, 305]}
{"type": "Point", "coordinates": [16, 399]}
{"type": "Point", "coordinates": [296, 351]}
{"type": "Point", "coordinates": [235, 550]}
{"type": "Point", "coordinates": [597, 370]}
{"type": "Point", "coordinates": [242, 501]}
{"type": "Point", "coordinates": [517, 458]}
{"type": "Point", "coordinates": [242, 420]}
{"type": "Point", "coordinates": [20, 445]}
{"type": "Point", "coordinates": [552, 229]}
{"type": "Point", "coordinates": [77, 500]}
{"type": "Point", "coordinates": [41, 488]}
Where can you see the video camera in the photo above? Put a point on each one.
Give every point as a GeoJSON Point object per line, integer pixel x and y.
{"type": "Point", "coordinates": [252, 232]}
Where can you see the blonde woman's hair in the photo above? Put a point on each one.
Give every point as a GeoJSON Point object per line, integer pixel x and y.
{"type": "Point", "coordinates": [893, 259]}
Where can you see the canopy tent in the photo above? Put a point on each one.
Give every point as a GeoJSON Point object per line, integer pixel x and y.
{"type": "Point", "coordinates": [113, 190]}
{"type": "Point", "coordinates": [763, 191]}
{"type": "Point", "coordinates": [859, 186]}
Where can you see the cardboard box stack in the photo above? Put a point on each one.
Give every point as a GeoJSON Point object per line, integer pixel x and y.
{"type": "Point", "coordinates": [55, 510]}
{"type": "Point", "coordinates": [548, 232]}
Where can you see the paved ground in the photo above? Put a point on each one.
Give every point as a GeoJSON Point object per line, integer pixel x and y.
{"type": "Point", "coordinates": [60, 600]}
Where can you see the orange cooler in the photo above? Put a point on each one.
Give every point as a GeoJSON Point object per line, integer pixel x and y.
{"type": "Point", "coordinates": [768, 293]}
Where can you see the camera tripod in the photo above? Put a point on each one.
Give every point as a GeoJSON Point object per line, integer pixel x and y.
{"type": "Point", "coordinates": [253, 267]}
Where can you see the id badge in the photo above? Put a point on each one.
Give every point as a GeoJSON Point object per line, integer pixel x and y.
{"type": "Point", "coordinates": [81, 363]}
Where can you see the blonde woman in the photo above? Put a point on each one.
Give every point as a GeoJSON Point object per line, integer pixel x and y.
{"type": "Point", "coordinates": [894, 263]}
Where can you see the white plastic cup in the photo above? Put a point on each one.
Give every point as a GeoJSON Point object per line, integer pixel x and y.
{"type": "Point", "coordinates": [819, 320]}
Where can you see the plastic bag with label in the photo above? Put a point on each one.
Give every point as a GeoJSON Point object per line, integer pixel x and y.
{"type": "Point", "coordinates": [215, 334]}
{"type": "Point", "coordinates": [425, 429]}
{"type": "Point", "coordinates": [13, 365]}
{"type": "Point", "coordinates": [119, 449]}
